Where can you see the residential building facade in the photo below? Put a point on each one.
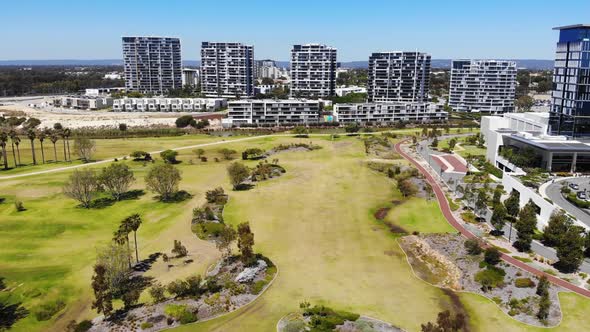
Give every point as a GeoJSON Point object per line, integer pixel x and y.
{"type": "Point", "coordinates": [152, 64]}
{"type": "Point", "coordinates": [313, 71]}
{"type": "Point", "coordinates": [398, 77]}
{"type": "Point", "coordinates": [384, 113]}
{"type": "Point", "coordinates": [486, 86]}
{"type": "Point", "coordinates": [190, 77]}
{"type": "Point", "coordinates": [277, 112]}
{"type": "Point", "coordinates": [570, 109]}
{"type": "Point", "coordinates": [82, 102]}
{"type": "Point", "coordinates": [168, 104]}
{"type": "Point", "coordinates": [227, 70]}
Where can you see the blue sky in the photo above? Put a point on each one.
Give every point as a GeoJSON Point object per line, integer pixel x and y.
{"type": "Point", "coordinates": [61, 29]}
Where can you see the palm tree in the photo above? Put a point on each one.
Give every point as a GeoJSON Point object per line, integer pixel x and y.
{"type": "Point", "coordinates": [41, 136]}
{"type": "Point", "coordinates": [62, 133]}
{"type": "Point", "coordinates": [15, 140]}
{"type": "Point", "coordinates": [68, 133]}
{"type": "Point", "coordinates": [54, 137]}
{"type": "Point", "coordinates": [133, 222]}
{"type": "Point", "coordinates": [31, 134]}
{"type": "Point", "coordinates": [3, 141]}
{"type": "Point", "coordinates": [121, 237]}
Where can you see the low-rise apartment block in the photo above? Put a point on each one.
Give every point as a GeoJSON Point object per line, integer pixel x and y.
{"type": "Point", "coordinates": [278, 112]}
{"type": "Point", "coordinates": [82, 102]}
{"type": "Point", "coordinates": [383, 113]}
{"type": "Point", "coordinates": [168, 104]}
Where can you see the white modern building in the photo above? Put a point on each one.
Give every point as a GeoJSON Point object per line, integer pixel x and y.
{"type": "Point", "coordinates": [313, 71]}
{"type": "Point", "coordinates": [486, 86]}
{"type": "Point", "coordinates": [398, 77]}
{"type": "Point", "coordinates": [168, 104]}
{"type": "Point", "coordinates": [344, 90]}
{"type": "Point", "coordinates": [277, 112]}
{"type": "Point", "coordinates": [385, 113]}
{"type": "Point", "coordinates": [227, 70]}
{"type": "Point", "coordinates": [95, 92]}
{"type": "Point", "coordinates": [152, 64]}
{"type": "Point", "coordinates": [81, 102]}
{"type": "Point", "coordinates": [190, 77]}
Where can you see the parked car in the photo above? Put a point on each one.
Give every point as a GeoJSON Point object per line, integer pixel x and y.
{"type": "Point", "coordinates": [574, 186]}
{"type": "Point", "coordinates": [582, 195]}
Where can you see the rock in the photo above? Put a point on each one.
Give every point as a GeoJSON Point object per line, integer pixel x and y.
{"type": "Point", "coordinates": [250, 273]}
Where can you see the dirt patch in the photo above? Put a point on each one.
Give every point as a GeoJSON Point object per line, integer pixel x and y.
{"type": "Point", "coordinates": [382, 213]}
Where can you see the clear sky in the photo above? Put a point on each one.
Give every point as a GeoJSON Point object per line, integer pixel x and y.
{"type": "Point", "coordinates": [62, 29]}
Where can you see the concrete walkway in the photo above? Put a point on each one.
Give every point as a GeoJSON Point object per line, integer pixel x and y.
{"type": "Point", "coordinates": [446, 210]}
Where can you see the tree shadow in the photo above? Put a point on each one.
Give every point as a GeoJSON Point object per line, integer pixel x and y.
{"type": "Point", "coordinates": [243, 187]}
{"type": "Point", "coordinates": [564, 268]}
{"type": "Point", "coordinates": [2, 199]}
{"type": "Point", "coordinates": [177, 197]}
{"type": "Point", "coordinates": [146, 264]}
{"type": "Point", "coordinates": [103, 202]}
{"type": "Point", "coordinates": [10, 314]}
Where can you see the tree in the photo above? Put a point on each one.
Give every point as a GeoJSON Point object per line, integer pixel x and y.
{"type": "Point", "coordinates": [434, 142]}
{"type": "Point", "coordinates": [497, 196]}
{"type": "Point", "coordinates": [32, 135]}
{"type": "Point", "coordinates": [587, 244]}
{"type": "Point", "coordinates": [245, 241]}
{"type": "Point", "coordinates": [492, 256]}
{"type": "Point", "coordinates": [452, 143]}
{"type": "Point", "coordinates": [116, 179]}
{"type": "Point", "coordinates": [472, 246]}
{"type": "Point", "coordinates": [556, 228]}
{"type": "Point", "coordinates": [481, 201]}
{"type": "Point", "coordinates": [115, 259]}
{"type": "Point", "coordinates": [85, 147]}
{"type": "Point", "coordinates": [407, 188]}
{"type": "Point", "coordinates": [570, 250]}
{"type": "Point", "coordinates": [525, 227]}
{"type": "Point", "coordinates": [31, 123]}
{"type": "Point", "coordinates": [54, 137]}
{"type": "Point", "coordinates": [300, 131]}
{"type": "Point", "coordinates": [445, 323]}
{"type": "Point", "coordinates": [41, 135]}
{"type": "Point", "coordinates": [140, 155]}
{"type": "Point", "coordinates": [179, 250]}
{"type": "Point", "coordinates": [185, 121]}
{"type": "Point", "coordinates": [352, 128]}
{"type": "Point", "coordinates": [199, 153]}
{"type": "Point", "coordinates": [169, 156]}
{"type": "Point", "coordinates": [163, 180]}
{"type": "Point", "coordinates": [498, 217]}
{"type": "Point", "coordinates": [237, 173]}
{"type": "Point", "coordinates": [157, 293]}
{"type": "Point", "coordinates": [57, 126]}
{"type": "Point", "coordinates": [544, 305]}
{"type": "Point", "coordinates": [3, 142]}
{"type": "Point", "coordinates": [525, 103]}
{"type": "Point", "coordinates": [121, 237]}
{"type": "Point", "coordinates": [228, 154]}
{"type": "Point", "coordinates": [512, 203]}
{"type": "Point", "coordinates": [15, 140]}
{"type": "Point", "coordinates": [252, 153]}
{"type": "Point", "coordinates": [132, 223]}
{"type": "Point", "coordinates": [542, 286]}
{"type": "Point", "coordinates": [81, 186]}
{"type": "Point", "coordinates": [65, 133]}
{"type": "Point", "coordinates": [226, 237]}
{"type": "Point", "coordinates": [103, 299]}
{"type": "Point", "coordinates": [122, 127]}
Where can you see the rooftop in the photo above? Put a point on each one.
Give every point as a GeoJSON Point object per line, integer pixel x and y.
{"type": "Point", "coordinates": [574, 26]}
{"type": "Point", "coordinates": [552, 144]}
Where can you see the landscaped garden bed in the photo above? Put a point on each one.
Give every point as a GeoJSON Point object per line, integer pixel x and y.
{"type": "Point", "coordinates": [231, 284]}
{"type": "Point", "coordinates": [322, 318]}
{"type": "Point", "coordinates": [446, 261]}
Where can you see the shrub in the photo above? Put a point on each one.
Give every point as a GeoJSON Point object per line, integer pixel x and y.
{"type": "Point", "coordinates": [294, 326]}
{"type": "Point", "coordinates": [179, 250]}
{"type": "Point", "coordinates": [524, 283]}
{"type": "Point", "coordinates": [181, 313]}
{"type": "Point", "coordinates": [146, 325]}
{"type": "Point", "coordinates": [473, 247]}
{"type": "Point", "coordinates": [169, 156]}
{"type": "Point", "coordinates": [185, 121]}
{"type": "Point", "coordinates": [157, 293]}
{"type": "Point", "coordinates": [492, 256]}
{"type": "Point", "coordinates": [83, 326]}
{"type": "Point", "coordinates": [19, 206]}
{"type": "Point", "coordinates": [47, 310]}
{"type": "Point", "coordinates": [490, 278]}
{"type": "Point", "coordinates": [258, 286]}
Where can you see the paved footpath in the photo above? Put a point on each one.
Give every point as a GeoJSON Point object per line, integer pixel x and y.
{"type": "Point", "coordinates": [446, 210]}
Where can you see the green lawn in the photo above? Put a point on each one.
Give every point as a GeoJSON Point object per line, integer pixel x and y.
{"type": "Point", "coordinates": [315, 222]}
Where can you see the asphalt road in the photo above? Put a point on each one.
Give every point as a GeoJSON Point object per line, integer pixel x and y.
{"type": "Point", "coordinates": [554, 193]}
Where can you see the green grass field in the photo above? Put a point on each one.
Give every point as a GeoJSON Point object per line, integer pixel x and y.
{"type": "Point", "coordinates": [315, 223]}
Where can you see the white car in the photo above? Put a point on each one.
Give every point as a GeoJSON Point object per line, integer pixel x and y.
{"type": "Point", "coordinates": [582, 195]}
{"type": "Point", "coordinates": [574, 186]}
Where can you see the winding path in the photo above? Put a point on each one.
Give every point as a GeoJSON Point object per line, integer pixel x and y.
{"type": "Point", "coordinates": [446, 210]}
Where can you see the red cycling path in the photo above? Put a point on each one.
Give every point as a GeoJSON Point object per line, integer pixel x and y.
{"type": "Point", "coordinates": [446, 210]}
